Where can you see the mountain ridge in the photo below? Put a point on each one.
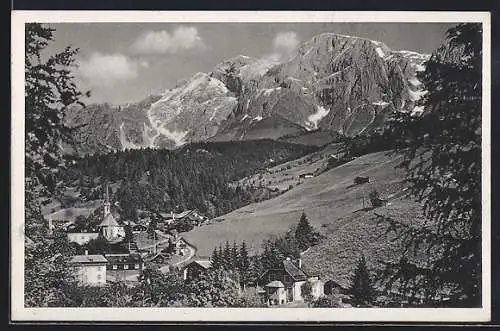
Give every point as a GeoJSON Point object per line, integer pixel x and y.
{"type": "Point", "coordinates": [336, 83]}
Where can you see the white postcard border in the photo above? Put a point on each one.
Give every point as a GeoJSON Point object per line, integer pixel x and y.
{"type": "Point", "coordinates": [20, 313]}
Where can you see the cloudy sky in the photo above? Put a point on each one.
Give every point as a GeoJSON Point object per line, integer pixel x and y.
{"type": "Point", "coordinates": [125, 62]}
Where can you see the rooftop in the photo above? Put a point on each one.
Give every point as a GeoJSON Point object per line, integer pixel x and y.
{"type": "Point", "coordinates": [275, 283]}
{"type": "Point", "coordinates": [109, 220]}
{"type": "Point", "coordinates": [294, 271]}
{"type": "Point", "coordinates": [124, 258]}
{"type": "Point", "coordinates": [88, 259]}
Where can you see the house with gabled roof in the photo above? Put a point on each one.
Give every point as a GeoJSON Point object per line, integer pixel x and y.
{"type": "Point", "coordinates": [196, 267]}
{"type": "Point", "coordinates": [90, 269]}
{"type": "Point", "coordinates": [283, 284]}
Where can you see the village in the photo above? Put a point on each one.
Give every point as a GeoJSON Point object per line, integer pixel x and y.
{"type": "Point", "coordinates": [121, 250]}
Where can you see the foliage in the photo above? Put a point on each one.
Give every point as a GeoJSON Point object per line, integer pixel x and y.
{"type": "Point", "coordinates": [49, 90]}
{"type": "Point", "coordinates": [375, 200]}
{"type": "Point", "coordinates": [198, 176]}
{"type": "Point", "coordinates": [48, 277]}
{"type": "Point", "coordinates": [361, 288]}
{"type": "Point", "coordinates": [443, 163]}
{"type": "Point", "coordinates": [100, 245]}
{"type": "Point", "coordinates": [184, 225]}
{"type": "Point", "coordinates": [306, 291]}
{"type": "Point", "coordinates": [243, 263]}
{"type": "Point", "coordinates": [326, 302]}
{"type": "Point", "coordinates": [305, 234]}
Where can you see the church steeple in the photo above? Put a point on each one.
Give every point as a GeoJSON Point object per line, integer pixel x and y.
{"type": "Point", "coordinates": [107, 204]}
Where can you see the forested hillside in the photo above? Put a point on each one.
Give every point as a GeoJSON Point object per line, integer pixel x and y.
{"type": "Point", "coordinates": [195, 176]}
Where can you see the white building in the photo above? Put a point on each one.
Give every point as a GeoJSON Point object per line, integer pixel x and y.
{"type": "Point", "coordinates": [109, 227]}
{"type": "Point", "coordinates": [82, 238]}
{"type": "Point", "coordinates": [90, 269]}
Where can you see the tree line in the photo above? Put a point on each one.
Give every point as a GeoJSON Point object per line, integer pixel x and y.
{"type": "Point", "coordinates": [197, 176]}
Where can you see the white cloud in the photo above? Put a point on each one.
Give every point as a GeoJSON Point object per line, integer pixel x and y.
{"type": "Point", "coordinates": [162, 42]}
{"type": "Point", "coordinates": [108, 69]}
{"type": "Point", "coordinates": [286, 42]}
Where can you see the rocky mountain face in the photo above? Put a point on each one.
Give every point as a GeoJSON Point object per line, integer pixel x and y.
{"type": "Point", "coordinates": [335, 83]}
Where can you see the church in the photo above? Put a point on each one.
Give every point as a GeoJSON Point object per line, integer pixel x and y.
{"type": "Point", "coordinates": [109, 227]}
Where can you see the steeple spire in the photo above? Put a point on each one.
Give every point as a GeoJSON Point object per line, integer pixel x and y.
{"type": "Point", "coordinates": [107, 204]}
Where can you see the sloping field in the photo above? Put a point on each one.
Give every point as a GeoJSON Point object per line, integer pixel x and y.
{"type": "Point", "coordinates": [354, 234]}
{"type": "Point", "coordinates": [330, 200]}
{"type": "Point", "coordinates": [283, 175]}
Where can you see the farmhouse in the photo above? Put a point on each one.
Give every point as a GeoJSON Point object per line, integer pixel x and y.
{"type": "Point", "coordinates": [361, 180]}
{"type": "Point", "coordinates": [90, 269]}
{"type": "Point", "coordinates": [195, 268]}
{"type": "Point", "coordinates": [283, 285]}
{"type": "Point", "coordinates": [191, 215]}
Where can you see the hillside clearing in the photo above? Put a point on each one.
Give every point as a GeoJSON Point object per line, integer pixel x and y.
{"type": "Point", "coordinates": [325, 199]}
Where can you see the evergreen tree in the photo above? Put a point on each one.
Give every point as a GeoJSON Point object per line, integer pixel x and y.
{"type": "Point", "coordinates": [216, 263]}
{"type": "Point", "coordinates": [244, 261]}
{"type": "Point", "coordinates": [361, 288]}
{"type": "Point", "coordinates": [222, 262]}
{"type": "Point", "coordinates": [442, 157]}
{"type": "Point", "coordinates": [228, 261]}
{"type": "Point", "coordinates": [129, 237]}
{"type": "Point", "coordinates": [305, 234]}
{"type": "Point", "coordinates": [235, 258]}
{"type": "Point", "coordinates": [49, 91]}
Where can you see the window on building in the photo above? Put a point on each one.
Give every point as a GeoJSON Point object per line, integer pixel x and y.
{"type": "Point", "coordinates": [83, 237]}
{"type": "Point", "coordinates": [125, 266]}
{"type": "Point", "coordinates": [99, 268]}
{"type": "Point", "coordinates": [137, 266]}
{"type": "Point", "coordinates": [115, 267]}
{"type": "Point", "coordinates": [99, 276]}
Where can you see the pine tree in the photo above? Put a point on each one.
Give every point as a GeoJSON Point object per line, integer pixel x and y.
{"type": "Point", "coordinates": [228, 262]}
{"type": "Point", "coordinates": [235, 258]}
{"type": "Point", "coordinates": [442, 158]}
{"type": "Point", "coordinates": [361, 288]}
{"type": "Point", "coordinates": [244, 263]}
{"type": "Point", "coordinates": [50, 90]}
{"type": "Point", "coordinates": [220, 254]}
{"type": "Point", "coordinates": [305, 234]}
{"type": "Point", "coordinates": [216, 263]}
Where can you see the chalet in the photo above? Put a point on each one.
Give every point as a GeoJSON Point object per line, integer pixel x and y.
{"type": "Point", "coordinates": [195, 268]}
{"type": "Point", "coordinates": [361, 180]}
{"type": "Point", "coordinates": [331, 287]}
{"type": "Point", "coordinates": [283, 285]}
{"type": "Point", "coordinates": [191, 215]}
{"type": "Point", "coordinates": [124, 262]}
{"type": "Point", "coordinates": [90, 269]}
{"type": "Point", "coordinates": [306, 175]}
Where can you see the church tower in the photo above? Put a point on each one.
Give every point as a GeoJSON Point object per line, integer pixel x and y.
{"type": "Point", "coordinates": [107, 204]}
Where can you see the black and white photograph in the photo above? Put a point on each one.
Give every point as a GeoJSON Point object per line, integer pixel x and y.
{"type": "Point", "coordinates": [302, 166]}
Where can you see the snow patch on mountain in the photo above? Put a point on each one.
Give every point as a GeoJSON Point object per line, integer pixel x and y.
{"type": "Point", "coordinates": [314, 119]}
{"type": "Point", "coordinates": [380, 103]}
{"type": "Point", "coordinates": [416, 95]}
{"type": "Point", "coordinates": [417, 110]}
{"type": "Point", "coordinates": [380, 52]}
